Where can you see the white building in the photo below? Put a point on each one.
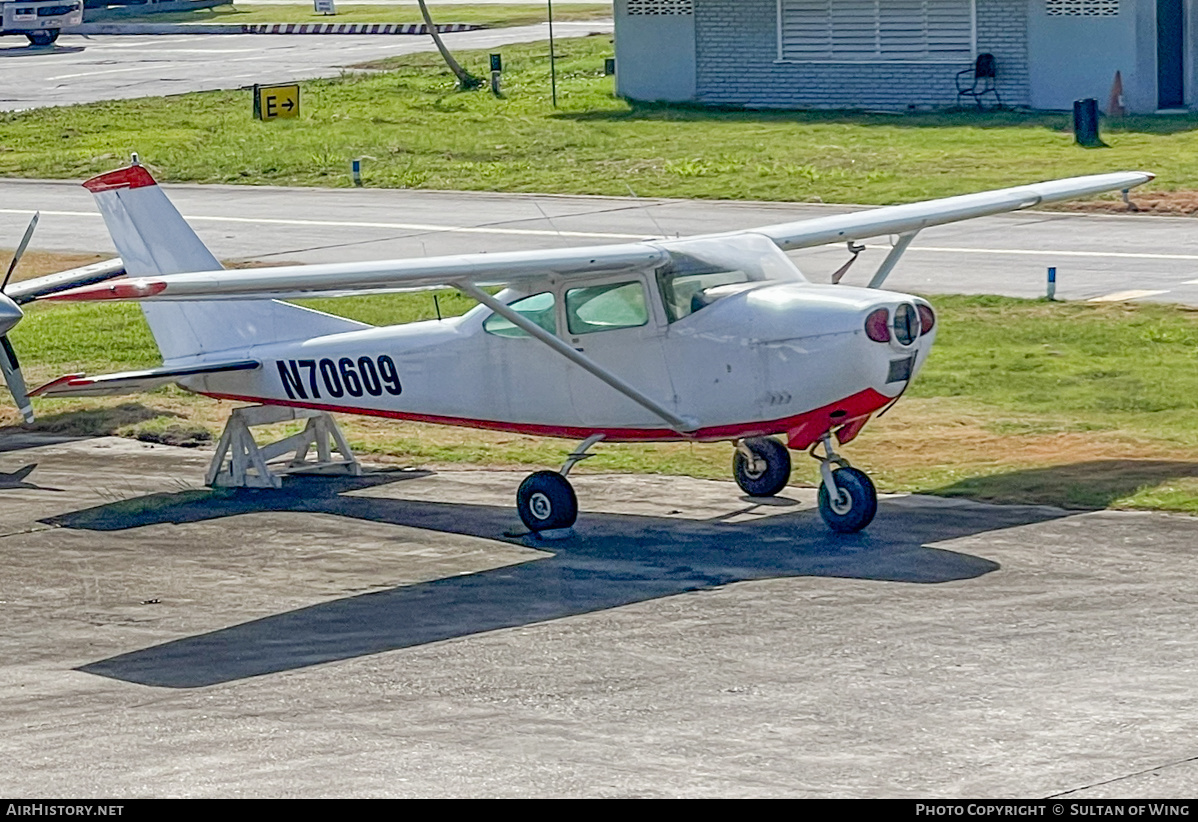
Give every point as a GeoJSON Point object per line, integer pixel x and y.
{"type": "Point", "coordinates": [903, 54]}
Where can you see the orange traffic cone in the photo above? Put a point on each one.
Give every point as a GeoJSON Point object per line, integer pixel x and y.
{"type": "Point", "coordinates": [1114, 107]}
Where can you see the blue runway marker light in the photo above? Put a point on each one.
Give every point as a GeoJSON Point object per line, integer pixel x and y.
{"type": "Point", "coordinates": [357, 168]}
{"type": "Point", "coordinates": [1052, 282]}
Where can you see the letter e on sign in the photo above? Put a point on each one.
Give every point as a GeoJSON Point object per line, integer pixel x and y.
{"type": "Point", "coordinates": [274, 102]}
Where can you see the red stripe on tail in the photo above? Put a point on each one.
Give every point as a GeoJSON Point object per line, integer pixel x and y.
{"type": "Point", "coordinates": [131, 177]}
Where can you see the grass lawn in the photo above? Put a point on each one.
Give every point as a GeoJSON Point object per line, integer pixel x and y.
{"type": "Point", "coordinates": [1074, 404]}
{"type": "Point", "coordinates": [415, 130]}
{"type": "Point", "coordinates": [491, 16]}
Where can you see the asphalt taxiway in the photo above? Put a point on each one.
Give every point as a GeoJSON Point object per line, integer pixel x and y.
{"type": "Point", "coordinates": [398, 635]}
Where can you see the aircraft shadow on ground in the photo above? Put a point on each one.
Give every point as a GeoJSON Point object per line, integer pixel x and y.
{"type": "Point", "coordinates": [83, 424]}
{"type": "Point", "coordinates": [1094, 484]}
{"type": "Point", "coordinates": [16, 480]}
{"type": "Point", "coordinates": [611, 560]}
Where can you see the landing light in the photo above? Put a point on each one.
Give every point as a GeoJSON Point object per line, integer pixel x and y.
{"type": "Point", "coordinates": [877, 325]}
{"type": "Point", "coordinates": [927, 319]}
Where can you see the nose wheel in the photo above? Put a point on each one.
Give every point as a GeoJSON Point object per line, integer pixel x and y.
{"type": "Point", "coordinates": [848, 500]}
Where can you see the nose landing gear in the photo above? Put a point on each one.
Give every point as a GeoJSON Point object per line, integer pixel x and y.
{"type": "Point", "coordinates": [847, 497]}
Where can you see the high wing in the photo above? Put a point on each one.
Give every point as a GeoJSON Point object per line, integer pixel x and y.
{"type": "Point", "coordinates": [905, 219]}
{"type": "Point", "coordinates": [337, 279]}
{"type": "Point", "coordinates": [510, 268]}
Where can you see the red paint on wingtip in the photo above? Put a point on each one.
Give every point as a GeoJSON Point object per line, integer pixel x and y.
{"type": "Point", "coordinates": [114, 290]}
{"type": "Point", "coordinates": [131, 177]}
{"type": "Point", "coordinates": [66, 380]}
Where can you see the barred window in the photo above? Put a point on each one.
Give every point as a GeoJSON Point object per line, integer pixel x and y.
{"type": "Point", "coordinates": [869, 30]}
{"type": "Point", "coordinates": [1082, 8]}
{"type": "Point", "coordinates": [661, 7]}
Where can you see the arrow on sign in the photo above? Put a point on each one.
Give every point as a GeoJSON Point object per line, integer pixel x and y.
{"type": "Point", "coordinates": [287, 104]}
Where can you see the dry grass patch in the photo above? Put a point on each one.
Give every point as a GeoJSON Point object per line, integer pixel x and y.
{"type": "Point", "coordinates": [1182, 203]}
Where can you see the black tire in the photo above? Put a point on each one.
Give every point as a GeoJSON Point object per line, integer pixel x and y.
{"type": "Point", "coordinates": [858, 511]}
{"type": "Point", "coordinates": [763, 483]}
{"type": "Point", "coordinates": [546, 501]}
{"type": "Point", "coordinates": [42, 38]}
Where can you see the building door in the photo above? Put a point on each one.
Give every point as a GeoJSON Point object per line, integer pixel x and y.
{"type": "Point", "coordinates": [1170, 50]}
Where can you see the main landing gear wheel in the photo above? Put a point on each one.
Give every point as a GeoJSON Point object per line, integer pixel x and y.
{"type": "Point", "coordinates": [855, 505]}
{"type": "Point", "coordinates": [764, 470]}
{"type": "Point", "coordinates": [546, 501]}
{"type": "Point", "coordinates": [43, 38]}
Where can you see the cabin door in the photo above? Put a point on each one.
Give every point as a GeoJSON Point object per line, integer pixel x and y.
{"type": "Point", "coordinates": [616, 325]}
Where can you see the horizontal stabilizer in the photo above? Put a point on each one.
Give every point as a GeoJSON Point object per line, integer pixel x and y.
{"type": "Point", "coordinates": [132, 382]}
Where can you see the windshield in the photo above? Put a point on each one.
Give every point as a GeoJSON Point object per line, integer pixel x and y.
{"type": "Point", "coordinates": [702, 271]}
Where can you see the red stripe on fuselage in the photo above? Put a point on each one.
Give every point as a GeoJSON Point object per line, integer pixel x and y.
{"type": "Point", "coordinates": [857, 405]}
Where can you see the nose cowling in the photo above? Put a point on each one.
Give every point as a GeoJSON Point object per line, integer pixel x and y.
{"type": "Point", "coordinates": [809, 310]}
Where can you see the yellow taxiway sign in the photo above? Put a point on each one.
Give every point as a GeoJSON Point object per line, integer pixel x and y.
{"type": "Point", "coordinates": [273, 102]}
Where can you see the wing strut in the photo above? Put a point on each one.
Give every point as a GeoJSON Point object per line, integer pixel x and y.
{"type": "Point", "coordinates": [680, 424]}
{"type": "Point", "coordinates": [892, 259]}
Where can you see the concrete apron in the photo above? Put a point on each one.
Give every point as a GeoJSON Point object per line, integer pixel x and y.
{"type": "Point", "coordinates": [398, 634]}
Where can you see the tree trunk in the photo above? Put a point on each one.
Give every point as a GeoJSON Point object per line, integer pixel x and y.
{"type": "Point", "coordinates": [466, 80]}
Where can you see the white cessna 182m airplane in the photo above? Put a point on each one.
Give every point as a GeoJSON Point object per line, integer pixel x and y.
{"type": "Point", "coordinates": [716, 337]}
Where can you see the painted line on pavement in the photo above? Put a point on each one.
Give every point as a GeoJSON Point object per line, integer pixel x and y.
{"type": "Point", "coordinates": [1122, 296]}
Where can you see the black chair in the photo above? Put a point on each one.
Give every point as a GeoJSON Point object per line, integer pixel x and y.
{"type": "Point", "coordinates": [979, 81]}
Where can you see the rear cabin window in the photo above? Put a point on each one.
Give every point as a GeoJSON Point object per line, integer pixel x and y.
{"type": "Point", "coordinates": [606, 307]}
{"type": "Point", "coordinates": [539, 308]}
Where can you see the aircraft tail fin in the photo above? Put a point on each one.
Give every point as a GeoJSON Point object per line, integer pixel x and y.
{"type": "Point", "coordinates": [153, 238]}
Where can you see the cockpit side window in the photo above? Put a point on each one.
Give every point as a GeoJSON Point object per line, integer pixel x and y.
{"type": "Point", "coordinates": [539, 308]}
{"type": "Point", "coordinates": [684, 293]}
{"type": "Point", "coordinates": [606, 307]}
